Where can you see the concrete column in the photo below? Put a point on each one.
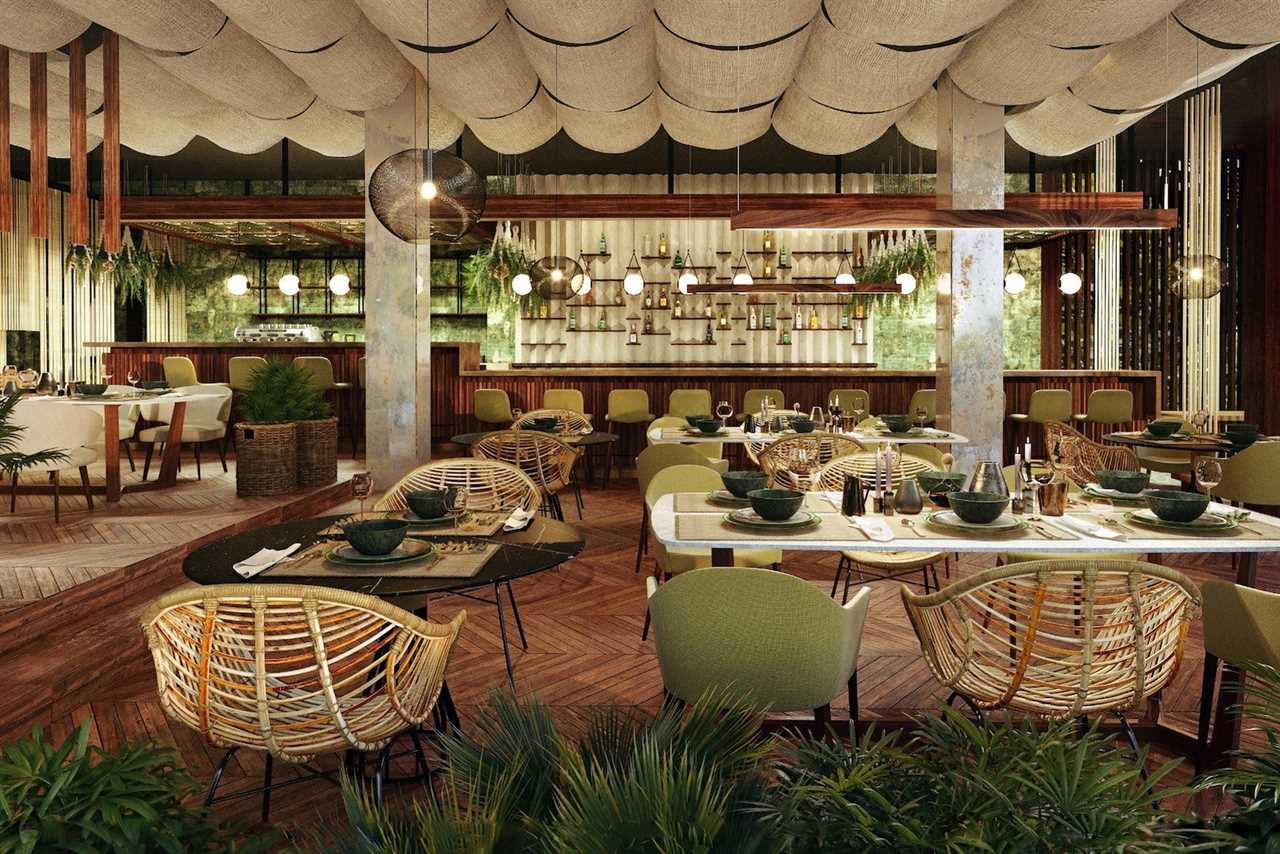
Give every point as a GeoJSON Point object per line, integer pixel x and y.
{"type": "Point", "coordinates": [970, 325]}
{"type": "Point", "coordinates": [397, 312]}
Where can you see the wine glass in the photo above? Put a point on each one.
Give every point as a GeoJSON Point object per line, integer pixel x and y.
{"type": "Point", "coordinates": [1208, 474]}
{"type": "Point", "coordinates": [361, 487]}
{"type": "Point", "coordinates": [456, 504]}
{"type": "Point", "coordinates": [134, 377]}
{"type": "Point", "coordinates": [724, 411]}
{"type": "Point", "coordinates": [859, 413]}
{"type": "Point", "coordinates": [921, 416]}
{"type": "Point", "coordinates": [1200, 421]}
{"type": "Point", "coordinates": [833, 409]}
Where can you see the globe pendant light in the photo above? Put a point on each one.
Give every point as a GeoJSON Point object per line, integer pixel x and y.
{"type": "Point", "coordinates": [522, 284]}
{"type": "Point", "coordinates": [580, 284]}
{"type": "Point", "coordinates": [558, 272]}
{"type": "Point", "coordinates": [844, 272]}
{"type": "Point", "coordinates": [237, 284]}
{"type": "Point", "coordinates": [340, 281]}
{"type": "Point", "coordinates": [906, 283]}
{"type": "Point", "coordinates": [633, 282]}
{"type": "Point", "coordinates": [1198, 276]}
{"type": "Point", "coordinates": [289, 284]}
{"type": "Point", "coordinates": [1014, 281]}
{"type": "Point", "coordinates": [1070, 283]}
{"type": "Point", "coordinates": [742, 273]}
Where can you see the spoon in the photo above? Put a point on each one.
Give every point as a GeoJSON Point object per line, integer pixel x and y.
{"type": "Point", "coordinates": [910, 526]}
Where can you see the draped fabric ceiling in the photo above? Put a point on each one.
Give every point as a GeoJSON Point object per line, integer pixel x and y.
{"type": "Point", "coordinates": [830, 76]}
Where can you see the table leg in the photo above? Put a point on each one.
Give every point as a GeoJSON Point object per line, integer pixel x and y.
{"type": "Point", "coordinates": [173, 448]}
{"type": "Point", "coordinates": [722, 557]}
{"type": "Point", "coordinates": [1226, 720]}
{"type": "Point", "coordinates": [1247, 569]}
{"type": "Point", "coordinates": [111, 437]}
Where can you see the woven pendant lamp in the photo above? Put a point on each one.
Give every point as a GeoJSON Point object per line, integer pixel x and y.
{"type": "Point", "coordinates": [415, 187]}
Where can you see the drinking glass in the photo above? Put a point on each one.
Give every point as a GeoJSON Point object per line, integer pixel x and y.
{"type": "Point", "coordinates": [361, 487]}
{"type": "Point", "coordinates": [859, 413]}
{"type": "Point", "coordinates": [921, 416]}
{"type": "Point", "coordinates": [134, 377]}
{"type": "Point", "coordinates": [724, 411]}
{"type": "Point", "coordinates": [1208, 474]}
{"type": "Point", "coordinates": [817, 417]}
{"type": "Point", "coordinates": [1200, 421]}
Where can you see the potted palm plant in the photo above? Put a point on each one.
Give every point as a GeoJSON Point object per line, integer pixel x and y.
{"type": "Point", "coordinates": [266, 437]}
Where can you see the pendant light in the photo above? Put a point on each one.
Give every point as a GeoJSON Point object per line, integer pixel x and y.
{"type": "Point", "coordinates": [289, 284]}
{"type": "Point", "coordinates": [906, 283]}
{"type": "Point", "coordinates": [580, 283]}
{"type": "Point", "coordinates": [1070, 283]}
{"type": "Point", "coordinates": [1014, 281]}
{"type": "Point", "coordinates": [687, 279]}
{"type": "Point", "coordinates": [522, 284]}
{"type": "Point", "coordinates": [238, 282]}
{"type": "Point", "coordinates": [742, 272]}
{"type": "Point", "coordinates": [340, 281]}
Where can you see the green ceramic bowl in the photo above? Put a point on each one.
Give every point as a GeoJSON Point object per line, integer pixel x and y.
{"type": "Point", "coordinates": [742, 483]}
{"type": "Point", "coordinates": [153, 385]}
{"type": "Point", "coordinates": [896, 423]}
{"type": "Point", "coordinates": [692, 420]}
{"type": "Point", "coordinates": [708, 425]}
{"type": "Point", "coordinates": [1163, 429]}
{"type": "Point", "coordinates": [802, 425]}
{"type": "Point", "coordinates": [376, 536]}
{"type": "Point", "coordinates": [940, 481]}
{"type": "Point", "coordinates": [978, 508]}
{"type": "Point", "coordinates": [91, 389]}
{"type": "Point", "coordinates": [775, 505]}
{"type": "Point", "coordinates": [542, 425]}
{"type": "Point", "coordinates": [1131, 482]}
{"type": "Point", "coordinates": [430, 503]}
{"type": "Point", "coordinates": [1174, 506]}
{"type": "Point", "coordinates": [1240, 427]}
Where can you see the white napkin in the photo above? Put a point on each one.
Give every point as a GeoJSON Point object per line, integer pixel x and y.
{"type": "Point", "coordinates": [836, 499]}
{"type": "Point", "coordinates": [873, 526]}
{"type": "Point", "coordinates": [263, 560]}
{"type": "Point", "coordinates": [518, 520]}
{"type": "Point", "coordinates": [1089, 529]}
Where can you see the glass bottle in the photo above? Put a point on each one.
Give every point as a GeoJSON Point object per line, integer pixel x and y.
{"type": "Point", "coordinates": [786, 335]}
{"type": "Point", "coordinates": [677, 308]}
{"type": "Point", "coordinates": [706, 307]}
{"type": "Point", "coordinates": [648, 324]}
{"type": "Point", "coordinates": [724, 319]}
{"type": "Point", "coordinates": [677, 262]}
{"type": "Point", "coordinates": [632, 337]}
{"type": "Point", "coordinates": [859, 333]}
{"type": "Point", "coordinates": [709, 337]}
{"type": "Point", "coordinates": [784, 256]}
{"type": "Point", "coordinates": [767, 243]}
{"type": "Point", "coordinates": [814, 323]}
{"type": "Point", "coordinates": [604, 244]}
{"type": "Point", "coordinates": [572, 324]}
{"type": "Point", "coordinates": [662, 244]}
{"type": "Point", "coordinates": [768, 267]}
{"type": "Point", "coordinates": [797, 322]}
{"type": "Point", "coordinates": [544, 311]}
{"type": "Point", "coordinates": [844, 315]}
{"type": "Point", "coordinates": [862, 260]}
{"type": "Point", "coordinates": [646, 246]}
{"type": "Point", "coordinates": [752, 320]}
{"type": "Point", "coordinates": [768, 317]}
{"type": "Point", "coordinates": [648, 298]}
{"type": "Point", "coordinates": [602, 323]}
{"type": "Point", "coordinates": [662, 298]}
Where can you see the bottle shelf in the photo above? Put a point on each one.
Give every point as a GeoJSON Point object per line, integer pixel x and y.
{"type": "Point", "coordinates": [542, 344]}
{"type": "Point", "coordinates": [693, 344]}
{"type": "Point", "coordinates": [553, 317]}
{"type": "Point", "coordinates": [595, 255]}
{"type": "Point", "coordinates": [584, 331]}
{"type": "Point", "coordinates": [655, 257]}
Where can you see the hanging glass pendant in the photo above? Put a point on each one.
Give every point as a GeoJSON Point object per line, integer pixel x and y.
{"type": "Point", "coordinates": [633, 282]}
{"type": "Point", "coordinates": [1198, 276]}
{"type": "Point", "coordinates": [580, 284]}
{"type": "Point", "coordinates": [844, 272]}
{"type": "Point", "coordinates": [1070, 283]}
{"type": "Point", "coordinates": [742, 271]}
{"type": "Point", "coordinates": [555, 272]}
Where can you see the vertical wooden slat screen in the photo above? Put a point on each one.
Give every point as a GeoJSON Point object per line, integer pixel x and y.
{"type": "Point", "coordinates": [79, 146]}
{"type": "Point", "coordinates": [1232, 249]}
{"type": "Point", "coordinates": [38, 217]}
{"type": "Point", "coordinates": [6, 171]}
{"type": "Point", "coordinates": [111, 142]}
{"type": "Point", "coordinates": [1067, 331]}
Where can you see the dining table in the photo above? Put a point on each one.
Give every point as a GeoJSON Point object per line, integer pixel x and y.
{"type": "Point", "coordinates": [1197, 443]}
{"type": "Point", "coordinates": [110, 404]}
{"type": "Point", "coordinates": [735, 435]}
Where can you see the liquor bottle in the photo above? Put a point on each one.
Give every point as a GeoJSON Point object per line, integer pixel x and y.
{"type": "Point", "coordinates": [589, 298]}
{"type": "Point", "coordinates": [844, 315]}
{"type": "Point", "coordinates": [768, 317]}
{"type": "Point", "coordinates": [544, 311]}
{"type": "Point", "coordinates": [814, 323]}
{"type": "Point", "coordinates": [662, 298]}
{"type": "Point", "coordinates": [752, 320]}
{"type": "Point", "coordinates": [677, 308]}
{"type": "Point", "coordinates": [797, 322]}
{"type": "Point", "coordinates": [706, 307]}
{"type": "Point", "coordinates": [723, 321]}
{"type": "Point", "coordinates": [604, 244]}
{"type": "Point", "coordinates": [662, 244]}
{"type": "Point", "coordinates": [648, 324]}
{"type": "Point", "coordinates": [768, 267]}
{"type": "Point", "coordinates": [786, 335]}
{"type": "Point", "coordinates": [572, 325]}
{"type": "Point", "coordinates": [860, 310]}
{"type": "Point", "coordinates": [708, 338]}
{"type": "Point", "coordinates": [617, 296]}
{"type": "Point", "coordinates": [677, 262]}
{"type": "Point", "coordinates": [859, 333]}
{"type": "Point", "coordinates": [784, 256]}
{"type": "Point", "coordinates": [632, 337]}
{"type": "Point", "coordinates": [862, 260]}
{"type": "Point", "coordinates": [767, 244]}
{"type": "Point", "coordinates": [648, 298]}
{"type": "Point", "coordinates": [602, 323]}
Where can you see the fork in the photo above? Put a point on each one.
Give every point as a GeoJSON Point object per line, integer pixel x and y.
{"type": "Point", "coordinates": [910, 526]}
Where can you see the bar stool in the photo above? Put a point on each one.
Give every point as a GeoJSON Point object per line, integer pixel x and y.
{"type": "Point", "coordinates": [492, 406]}
{"type": "Point", "coordinates": [321, 370]}
{"type": "Point", "coordinates": [1107, 406]}
{"type": "Point", "coordinates": [689, 401]}
{"type": "Point", "coordinates": [752, 399]}
{"type": "Point", "coordinates": [626, 406]}
{"type": "Point", "coordinates": [1046, 404]}
{"type": "Point", "coordinates": [564, 398]}
{"type": "Point", "coordinates": [179, 371]}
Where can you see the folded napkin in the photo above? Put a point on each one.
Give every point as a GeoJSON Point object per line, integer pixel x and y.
{"type": "Point", "coordinates": [262, 560]}
{"type": "Point", "coordinates": [1089, 529]}
{"type": "Point", "coordinates": [836, 500]}
{"type": "Point", "coordinates": [518, 520]}
{"type": "Point", "coordinates": [874, 527]}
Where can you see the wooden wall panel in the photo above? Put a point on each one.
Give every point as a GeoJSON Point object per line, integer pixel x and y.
{"type": "Point", "coordinates": [38, 218]}
{"type": "Point", "coordinates": [111, 142]}
{"type": "Point", "coordinates": [79, 146]}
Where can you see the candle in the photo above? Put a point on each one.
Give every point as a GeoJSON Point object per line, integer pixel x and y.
{"type": "Point", "coordinates": [1026, 451]}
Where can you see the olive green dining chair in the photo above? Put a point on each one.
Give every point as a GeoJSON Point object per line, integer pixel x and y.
{"type": "Point", "coordinates": [1045, 405]}
{"type": "Point", "coordinates": [240, 371]}
{"type": "Point", "coordinates": [179, 371]}
{"type": "Point", "coordinates": [714, 451]}
{"type": "Point", "coordinates": [564, 398]}
{"type": "Point", "coordinates": [752, 399]}
{"type": "Point", "coordinates": [689, 401]}
{"type": "Point", "coordinates": [926, 399]}
{"type": "Point", "coordinates": [669, 562]}
{"type": "Point", "coordinates": [1241, 626]}
{"type": "Point", "coordinates": [493, 407]}
{"type": "Point", "coordinates": [850, 399]}
{"type": "Point", "coordinates": [1107, 406]}
{"type": "Point", "coordinates": [1249, 478]}
{"type": "Point", "coordinates": [652, 460]}
{"type": "Point", "coordinates": [771, 636]}
{"type": "Point", "coordinates": [625, 406]}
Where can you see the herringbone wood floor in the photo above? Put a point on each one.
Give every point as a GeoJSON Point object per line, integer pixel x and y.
{"type": "Point", "coordinates": [583, 623]}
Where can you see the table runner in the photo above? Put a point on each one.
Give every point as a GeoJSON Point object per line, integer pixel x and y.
{"type": "Point", "coordinates": [487, 524]}
{"type": "Point", "coordinates": [832, 526]}
{"type": "Point", "coordinates": [445, 563]}
{"type": "Point", "coordinates": [695, 502]}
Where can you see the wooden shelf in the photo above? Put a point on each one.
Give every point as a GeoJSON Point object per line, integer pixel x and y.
{"type": "Point", "coordinates": [693, 344]}
{"type": "Point", "coordinates": [762, 252]}
{"type": "Point", "coordinates": [542, 344]}
{"type": "Point", "coordinates": [596, 254]}
{"type": "Point", "coordinates": [776, 287]}
{"type": "Point", "coordinates": [553, 317]}
{"type": "Point", "coordinates": [595, 330]}
{"type": "Point", "coordinates": [633, 344]}
{"type": "Point", "coordinates": [655, 257]}
{"type": "Point", "coordinates": [303, 315]}
{"type": "Point", "coordinates": [659, 332]}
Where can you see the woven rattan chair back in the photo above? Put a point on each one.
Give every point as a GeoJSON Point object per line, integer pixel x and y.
{"type": "Point", "coordinates": [831, 477]}
{"type": "Point", "coordinates": [1080, 458]}
{"type": "Point", "coordinates": [490, 485]}
{"type": "Point", "coordinates": [294, 670]}
{"type": "Point", "coordinates": [546, 459]}
{"type": "Point", "coordinates": [1057, 638]}
{"type": "Point", "coordinates": [777, 460]}
{"type": "Point", "coordinates": [568, 422]}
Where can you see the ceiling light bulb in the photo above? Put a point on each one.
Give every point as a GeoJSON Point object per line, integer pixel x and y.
{"type": "Point", "coordinates": [237, 284]}
{"type": "Point", "coordinates": [743, 278]}
{"type": "Point", "coordinates": [633, 283]}
{"type": "Point", "coordinates": [906, 282]}
{"type": "Point", "coordinates": [556, 274]}
{"type": "Point", "coordinates": [428, 190]}
{"type": "Point", "coordinates": [289, 284]}
{"type": "Point", "coordinates": [581, 284]}
{"type": "Point", "coordinates": [687, 278]}
{"type": "Point", "coordinates": [1015, 283]}
{"type": "Point", "coordinates": [1195, 274]}
{"type": "Point", "coordinates": [340, 284]}
{"type": "Point", "coordinates": [844, 277]}
{"type": "Point", "coordinates": [1069, 284]}
{"type": "Point", "coordinates": [522, 284]}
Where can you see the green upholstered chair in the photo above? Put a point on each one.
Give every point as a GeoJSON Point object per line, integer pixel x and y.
{"type": "Point", "coordinates": [240, 371]}
{"type": "Point", "coordinates": [751, 400]}
{"type": "Point", "coordinates": [1107, 406]}
{"type": "Point", "coordinates": [769, 635]}
{"type": "Point", "coordinates": [1046, 404]}
{"type": "Point", "coordinates": [851, 399]}
{"type": "Point", "coordinates": [669, 562]}
{"type": "Point", "coordinates": [714, 451]}
{"type": "Point", "coordinates": [493, 407]}
{"type": "Point", "coordinates": [179, 371]}
{"type": "Point", "coordinates": [652, 460]}
{"type": "Point", "coordinates": [689, 401]}
{"type": "Point", "coordinates": [564, 398]}
{"type": "Point", "coordinates": [1241, 625]}
{"type": "Point", "coordinates": [625, 406]}
{"type": "Point", "coordinates": [926, 399]}
{"type": "Point", "coordinates": [1251, 476]}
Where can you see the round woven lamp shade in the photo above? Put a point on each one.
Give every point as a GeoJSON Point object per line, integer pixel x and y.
{"type": "Point", "coordinates": [556, 272]}
{"type": "Point", "coordinates": [1198, 276]}
{"type": "Point", "coordinates": [404, 203]}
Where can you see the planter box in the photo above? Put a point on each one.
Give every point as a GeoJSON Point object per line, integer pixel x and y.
{"type": "Point", "coordinates": [317, 452]}
{"type": "Point", "coordinates": [266, 459]}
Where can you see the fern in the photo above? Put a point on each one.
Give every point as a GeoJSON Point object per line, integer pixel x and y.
{"type": "Point", "coordinates": [11, 461]}
{"type": "Point", "coordinates": [280, 392]}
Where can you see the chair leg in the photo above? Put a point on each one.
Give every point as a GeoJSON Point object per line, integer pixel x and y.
{"type": "Point", "coordinates": [956, 695]}
{"type": "Point", "coordinates": [84, 481]}
{"type": "Point", "coordinates": [380, 773]}
{"type": "Point", "coordinates": [222, 453]}
{"type": "Point", "coordinates": [195, 447]}
{"type": "Point", "coordinates": [924, 577]}
{"type": "Point", "coordinates": [146, 461]}
{"type": "Point", "coordinates": [822, 721]}
{"type": "Point", "coordinates": [848, 579]}
{"type": "Point", "coordinates": [1133, 742]}
{"type": "Point", "coordinates": [608, 459]}
{"type": "Point", "coordinates": [56, 478]}
{"type": "Point", "coordinates": [1207, 686]}
{"type": "Point", "coordinates": [515, 609]}
{"type": "Point", "coordinates": [217, 777]}
{"type": "Point", "coordinates": [128, 453]}
{"type": "Point", "coordinates": [266, 790]}
{"type": "Point", "coordinates": [642, 545]}
{"type": "Point", "coordinates": [840, 568]}
{"type": "Point", "coordinates": [854, 712]}
{"type": "Point", "coordinates": [13, 494]}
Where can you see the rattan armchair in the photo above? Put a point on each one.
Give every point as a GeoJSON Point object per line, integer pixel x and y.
{"type": "Point", "coordinates": [490, 485]}
{"type": "Point", "coordinates": [1057, 638]}
{"type": "Point", "coordinates": [546, 459]}
{"type": "Point", "coordinates": [295, 671]}
{"type": "Point", "coordinates": [777, 459]}
{"type": "Point", "coordinates": [568, 421]}
{"type": "Point", "coordinates": [1080, 458]}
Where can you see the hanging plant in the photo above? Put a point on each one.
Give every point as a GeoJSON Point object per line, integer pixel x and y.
{"type": "Point", "coordinates": [79, 260]}
{"type": "Point", "coordinates": [171, 274]}
{"type": "Point", "coordinates": [914, 255]}
{"type": "Point", "coordinates": [487, 274]}
{"type": "Point", "coordinates": [135, 270]}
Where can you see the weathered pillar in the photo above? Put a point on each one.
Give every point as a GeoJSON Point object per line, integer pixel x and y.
{"type": "Point", "coordinates": [970, 325]}
{"type": "Point", "coordinates": [397, 303]}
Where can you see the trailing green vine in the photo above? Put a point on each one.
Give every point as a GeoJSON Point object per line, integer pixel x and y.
{"type": "Point", "coordinates": [915, 255]}
{"type": "Point", "coordinates": [487, 274]}
{"type": "Point", "coordinates": [134, 270]}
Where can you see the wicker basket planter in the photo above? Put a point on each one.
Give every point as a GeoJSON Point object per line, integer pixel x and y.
{"type": "Point", "coordinates": [266, 459]}
{"type": "Point", "coordinates": [317, 452]}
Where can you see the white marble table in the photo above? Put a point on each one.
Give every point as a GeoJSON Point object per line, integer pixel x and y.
{"type": "Point", "coordinates": [734, 435]}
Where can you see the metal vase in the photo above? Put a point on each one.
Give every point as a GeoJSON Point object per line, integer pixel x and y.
{"type": "Point", "coordinates": [909, 499]}
{"type": "Point", "coordinates": [988, 477]}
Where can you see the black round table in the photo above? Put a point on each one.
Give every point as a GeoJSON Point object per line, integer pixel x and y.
{"type": "Point", "coordinates": [543, 545]}
{"type": "Point", "coordinates": [594, 439]}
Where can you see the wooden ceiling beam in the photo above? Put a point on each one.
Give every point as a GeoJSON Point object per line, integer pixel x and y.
{"type": "Point", "coordinates": [1048, 219]}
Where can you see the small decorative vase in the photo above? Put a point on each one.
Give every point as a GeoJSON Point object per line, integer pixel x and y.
{"type": "Point", "coordinates": [988, 477]}
{"type": "Point", "coordinates": [909, 498]}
